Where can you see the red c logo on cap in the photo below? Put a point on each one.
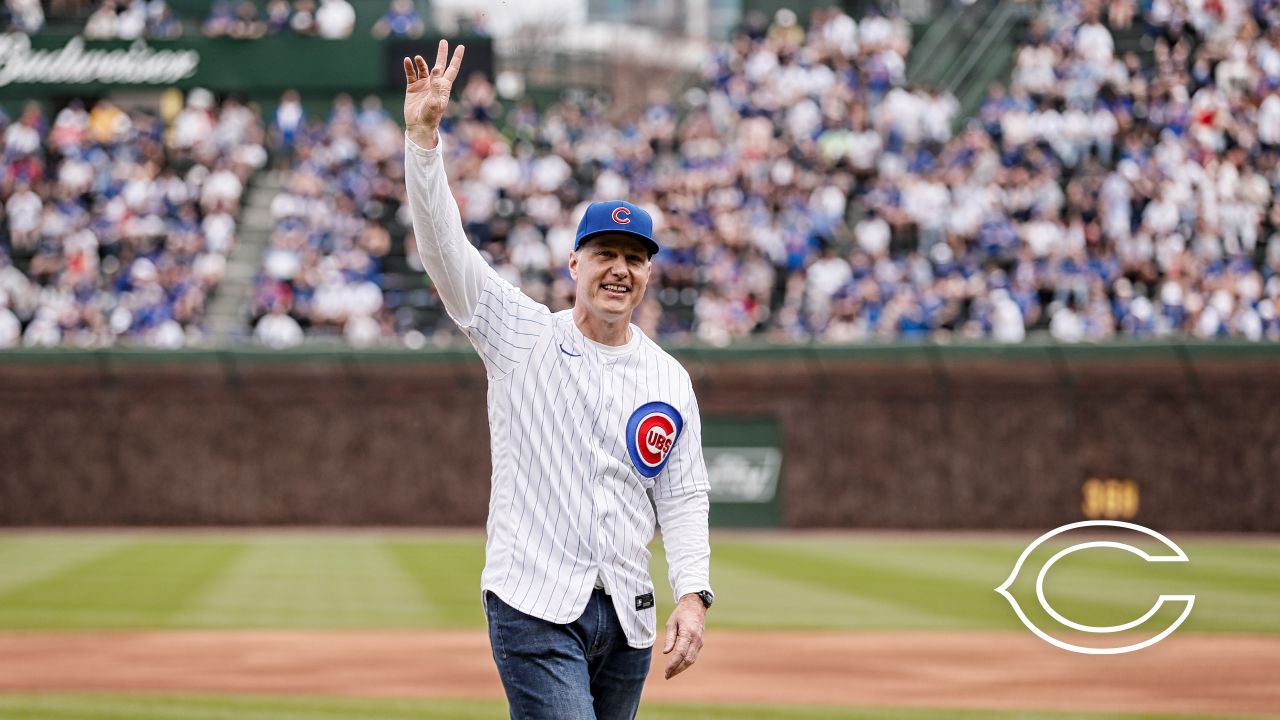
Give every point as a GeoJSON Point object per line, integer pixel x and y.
{"type": "Point", "coordinates": [621, 215]}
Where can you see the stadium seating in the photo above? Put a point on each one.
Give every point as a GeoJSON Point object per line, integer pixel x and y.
{"type": "Point", "coordinates": [1119, 183]}
{"type": "Point", "coordinates": [117, 223]}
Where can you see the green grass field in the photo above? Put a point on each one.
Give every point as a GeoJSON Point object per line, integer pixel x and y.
{"type": "Point", "coordinates": [65, 581]}
{"type": "Point", "coordinates": [362, 580]}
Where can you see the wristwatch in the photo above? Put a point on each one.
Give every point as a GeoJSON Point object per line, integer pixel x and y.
{"type": "Point", "coordinates": [707, 597]}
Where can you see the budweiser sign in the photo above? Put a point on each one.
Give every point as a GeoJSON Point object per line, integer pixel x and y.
{"type": "Point", "coordinates": [138, 64]}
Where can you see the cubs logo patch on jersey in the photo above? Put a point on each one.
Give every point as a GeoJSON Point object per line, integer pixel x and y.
{"type": "Point", "coordinates": [652, 432]}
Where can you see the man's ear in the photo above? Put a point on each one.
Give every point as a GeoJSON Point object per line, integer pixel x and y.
{"type": "Point", "coordinates": [573, 265]}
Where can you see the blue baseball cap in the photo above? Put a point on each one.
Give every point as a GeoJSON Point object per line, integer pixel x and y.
{"type": "Point", "coordinates": [616, 217]}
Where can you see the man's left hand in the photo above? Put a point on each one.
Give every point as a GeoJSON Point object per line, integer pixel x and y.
{"type": "Point", "coordinates": [684, 634]}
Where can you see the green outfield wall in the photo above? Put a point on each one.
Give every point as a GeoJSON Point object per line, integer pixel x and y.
{"type": "Point", "coordinates": [1174, 436]}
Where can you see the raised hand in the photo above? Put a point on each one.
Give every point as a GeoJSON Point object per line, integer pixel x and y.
{"type": "Point", "coordinates": [427, 94]}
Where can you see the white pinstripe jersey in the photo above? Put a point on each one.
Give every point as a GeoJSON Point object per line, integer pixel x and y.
{"type": "Point", "coordinates": [579, 431]}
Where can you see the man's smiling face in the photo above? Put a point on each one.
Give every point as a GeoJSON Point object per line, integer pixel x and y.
{"type": "Point", "coordinates": [612, 272]}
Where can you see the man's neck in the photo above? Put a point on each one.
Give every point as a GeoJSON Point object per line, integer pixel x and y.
{"type": "Point", "coordinates": [605, 332]}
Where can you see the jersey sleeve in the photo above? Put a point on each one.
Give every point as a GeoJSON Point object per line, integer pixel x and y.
{"type": "Point", "coordinates": [687, 542]}
{"type": "Point", "coordinates": [683, 507]}
{"type": "Point", "coordinates": [500, 321]}
{"type": "Point", "coordinates": [686, 471]}
{"type": "Point", "coordinates": [455, 267]}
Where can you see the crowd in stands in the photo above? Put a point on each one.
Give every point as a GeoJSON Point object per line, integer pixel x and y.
{"type": "Point", "coordinates": [99, 19]}
{"type": "Point", "coordinates": [116, 224]}
{"type": "Point", "coordinates": [805, 191]}
{"type": "Point", "coordinates": [132, 19]}
{"type": "Point", "coordinates": [329, 19]}
{"type": "Point", "coordinates": [1157, 215]}
{"type": "Point", "coordinates": [524, 176]}
{"type": "Point", "coordinates": [345, 180]}
{"type": "Point", "coordinates": [808, 194]}
{"type": "Point", "coordinates": [238, 19]}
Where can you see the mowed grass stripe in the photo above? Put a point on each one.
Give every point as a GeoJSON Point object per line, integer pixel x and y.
{"type": "Point", "coordinates": [29, 559]}
{"type": "Point", "coordinates": [1246, 558]}
{"type": "Point", "coordinates": [446, 572]}
{"type": "Point", "coordinates": [1226, 599]}
{"type": "Point", "coordinates": [957, 602]}
{"type": "Point", "coordinates": [311, 581]}
{"type": "Point", "coordinates": [1205, 568]}
{"type": "Point", "coordinates": [1100, 587]}
{"type": "Point", "coordinates": [143, 583]}
{"type": "Point", "coordinates": [749, 598]}
{"type": "Point", "coordinates": [144, 707]}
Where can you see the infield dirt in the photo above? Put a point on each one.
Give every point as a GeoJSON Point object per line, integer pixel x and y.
{"type": "Point", "coordinates": [1187, 674]}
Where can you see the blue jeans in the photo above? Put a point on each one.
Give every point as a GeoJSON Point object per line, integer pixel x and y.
{"type": "Point", "coordinates": [580, 671]}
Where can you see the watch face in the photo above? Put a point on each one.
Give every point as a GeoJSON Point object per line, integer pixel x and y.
{"type": "Point", "coordinates": [707, 597]}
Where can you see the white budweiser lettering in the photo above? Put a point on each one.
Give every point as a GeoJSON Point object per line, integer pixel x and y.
{"type": "Point", "coordinates": [136, 64]}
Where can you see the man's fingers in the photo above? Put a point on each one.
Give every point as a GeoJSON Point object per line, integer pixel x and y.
{"type": "Point", "coordinates": [421, 63]}
{"type": "Point", "coordinates": [676, 666]}
{"type": "Point", "coordinates": [442, 56]}
{"type": "Point", "coordinates": [452, 72]}
{"type": "Point", "coordinates": [691, 656]}
{"type": "Point", "coordinates": [682, 647]}
{"type": "Point", "coordinates": [409, 74]}
{"type": "Point", "coordinates": [671, 639]}
{"type": "Point", "coordinates": [681, 662]}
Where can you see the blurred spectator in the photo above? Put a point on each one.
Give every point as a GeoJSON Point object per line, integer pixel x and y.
{"type": "Point", "coordinates": [246, 25]}
{"type": "Point", "coordinates": [162, 24]}
{"type": "Point", "coordinates": [277, 330]}
{"type": "Point", "coordinates": [303, 19]}
{"type": "Point", "coordinates": [335, 20]}
{"type": "Point", "coordinates": [104, 23]}
{"type": "Point", "coordinates": [131, 19]}
{"type": "Point", "coordinates": [25, 16]}
{"type": "Point", "coordinates": [1120, 13]}
{"type": "Point", "coordinates": [221, 17]}
{"type": "Point", "coordinates": [24, 210]}
{"type": "Point", "coordinates": [131, 22]}
{"type": "Point", "coordinates": [10, 326]}
{"type": "Point", "coordinates": [401, 21]}
{"type": "Point", "coordinates": [288, 121]}
{"type": "Point", "coordinates": [278, 16]}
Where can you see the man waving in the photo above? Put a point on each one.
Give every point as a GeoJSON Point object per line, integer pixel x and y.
{"type": "Point", "coordinates": [587, 416]}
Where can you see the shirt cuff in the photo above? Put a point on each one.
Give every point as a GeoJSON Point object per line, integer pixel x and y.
{"type": "Point", "coordinates": [420, 151]}
{"type": "Point", "coordinates": [693, 587]}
